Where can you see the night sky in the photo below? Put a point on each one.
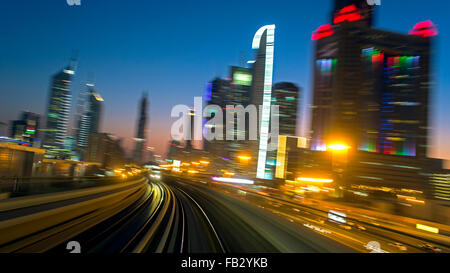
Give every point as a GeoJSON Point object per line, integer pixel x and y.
{"type": "Point", "coordinates": [172, 48]}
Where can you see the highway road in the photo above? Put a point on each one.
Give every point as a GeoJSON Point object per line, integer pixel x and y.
{"type": "Point", "coordinates": [181, 215]}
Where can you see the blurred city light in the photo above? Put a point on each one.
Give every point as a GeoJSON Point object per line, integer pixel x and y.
{"type": "Point", "coordinates": [243, 157]}
{"type": "Point", "coordinates": [427, 228]}
{"type": "Point", "coordinates": [338, 147]}
{"type": "Point", "coordinates": [233, 180]}
{"type": "Point", "coordinates": [315, 180]}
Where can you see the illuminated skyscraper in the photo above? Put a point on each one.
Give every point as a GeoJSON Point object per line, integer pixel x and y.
{"type": "Point", "coordinates": [286, 95]}
{"type": "Point", "coordinates": [371, 92]}
{"type": "Point", "coordinates": [232, 91]}
{"type": "Point", "coordinates": [26, 128]}
{"type": "Point", "coordinates": [141, 130]}
{"type": "Point", "coordinates": [261, 93]}
{"type": "Point", "coordinates": [105, 149]}
{"type": "Point", "coordinates": [246, 86]}
{"type": "Point", "coordinates": [290, 156]}
{"type": "Point", "coordinates": [371, 87]}
{"type": "Point", "coordinates": [90, 119]}
{"type": "Point", "coordinates": [80, 111]}
{"type": "Point", "coordinates": [58, 112]}
{"type": "Point", "coordinates": [190, 119]}
{"type": "Point", "coordinates": [215, 93]}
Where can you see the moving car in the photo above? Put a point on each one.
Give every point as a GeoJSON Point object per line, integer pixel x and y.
{"type": "Point", "coordinates": [399, 246]}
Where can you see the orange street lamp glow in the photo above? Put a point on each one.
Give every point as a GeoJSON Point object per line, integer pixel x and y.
{"type": "Point", "coordinates": [315, 180]}
{"type": "Point", "coordinates": [338, 147]}
{"type": "Point", "coordinates": [243, 157]}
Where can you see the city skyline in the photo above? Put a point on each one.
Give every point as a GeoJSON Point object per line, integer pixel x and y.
{"type": "Point", "coordinates": [201, 127]}
{"type": "Point", "coordinates": [155, 74]}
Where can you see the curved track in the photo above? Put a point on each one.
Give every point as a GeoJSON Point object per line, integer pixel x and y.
{"type": "Point", "coordinates": [174, 216]}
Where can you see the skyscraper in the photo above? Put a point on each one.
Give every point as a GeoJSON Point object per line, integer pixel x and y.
{"type": "Point", "coordinates": [90, 120]}
{"type": "Point", "coordinates": [232, 91]}
{"type": "Point", "coordinates": [261, 93]}
{"type": "Point", "coordinates": [215, 94]}
{"type": "Point", "coordinates": [246, 86]}
{"type": "Point", "coordinates": [371, 93]}
{"type": "Point", "coordinates": [106, 149]}
{"type": "Point", "coordinates": [58, 112]}
{"type": "Point", "coordinates": [26, 128]}
{"type": "Point", "coordinates": [371, 88]}
{"type": "Point", "coordinates": [80, 110]}
{"type": "Point", "coordinates": [141, 130]}
{"type": "Point", "coordinates": [189, 119]}
{"type": "Point", "coordinates": [286, 95]}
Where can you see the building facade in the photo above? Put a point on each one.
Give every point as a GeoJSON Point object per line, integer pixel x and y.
{"type": "Point", "coordinates": [261, 93]}
{"type": "Point", "coordinates": [141, 130]}
{"type": "Point", "coordinates": [105, 149]}
{"type": "Point", "coordinates": [371, 93]}
{"type": "Point", "coordinates": [90, 120]}
{"type": "Point", "coordinates": [19, 160]}
{"type": "Point", "coordinates": [27, 128]}
{"type": "Point", "coordinates": [58, 112]}
{"type": "Point", "coordinates": [287, 96]}
{"type": "Point", "coordinates": [227, 93]}
{"type": "Point", "coordinates": [371, 88]}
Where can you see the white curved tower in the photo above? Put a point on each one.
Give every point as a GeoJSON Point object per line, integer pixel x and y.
{"type": "Point", "coordinates": [263, 43]}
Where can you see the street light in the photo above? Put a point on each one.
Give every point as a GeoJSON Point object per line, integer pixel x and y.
{"type": "Point", "coordinates": [243, 163]}
{"type": "Point", "coordinates": [338, 147]}
{"type": "Point", "coordinates": [339, 159]}
{"type": "Point", "coordinates": [244, 157]}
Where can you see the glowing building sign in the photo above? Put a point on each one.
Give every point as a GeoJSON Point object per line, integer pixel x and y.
{"type": "Point", "coordinates": [398, 72]}
{"type": "Point", "coordinates": [373, 56]}
{"type": "Point", "coordinates": [424, 29]}
{"type": "Point", "coordinates": [326, 65]}
{"type": "Point", "coordinates": [233, 180]}
{"type": "Point", "coordinates": [322, 32]}
{"type": "Point", "coordinates": [208, 92]}
{"type": "Point", "coordinates": [349, 13]}
{"type": "Point", "coordinates": [268, 74]}
{"type": "Point", "coordinates": [242, 78]}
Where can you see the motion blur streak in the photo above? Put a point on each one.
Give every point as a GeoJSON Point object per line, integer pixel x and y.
{"type": "Point", "coordinates": [189, 215]}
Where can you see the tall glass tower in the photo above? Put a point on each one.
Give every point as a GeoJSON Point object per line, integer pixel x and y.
{"type": "Point", "coordinates": [58, 111]}
{"type": "Point", "coordinates": [286, 95]}
{"type": "Point", "coordinates": [90, 119]}
{"type": "Point", "coordinates": [141, 130]}
{"type": "Point", "coordinates": [372, 91]}
{"type": "Point", "coordinates": [261, 94]}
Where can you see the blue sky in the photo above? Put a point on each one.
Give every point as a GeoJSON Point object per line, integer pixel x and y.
{"type": "Point", "coordinates": [172, 48]}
